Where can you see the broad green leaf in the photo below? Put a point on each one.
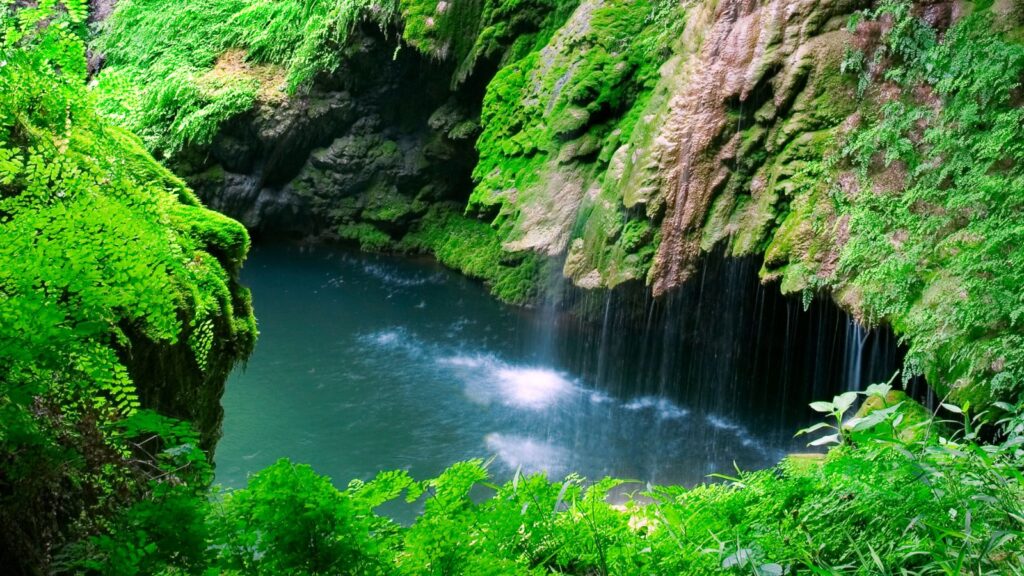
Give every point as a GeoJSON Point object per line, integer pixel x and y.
{"type": "Point", "coordinates": [813, 428]}
{"type": "Point", "coordinates": [830, 439]}
{"type": "Point", "coordinates": [826, 407]}
{"type": "Point", "coordinates": [843, 402]}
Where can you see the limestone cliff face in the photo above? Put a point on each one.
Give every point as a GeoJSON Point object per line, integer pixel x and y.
{"type": "Point", "coordinates": [627, 138]}
{"type": "Point", "coordinates": [750, 92]}
{"type": "Point", "coordinates": [752, 85]}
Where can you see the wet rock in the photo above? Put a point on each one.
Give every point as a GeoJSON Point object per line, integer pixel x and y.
{"type": "Point", "coordinates": [100, 10]}
{"type": "Point", "coordinates": [370, 144]}
{"type": "Point", "coordinates": [752, 53]}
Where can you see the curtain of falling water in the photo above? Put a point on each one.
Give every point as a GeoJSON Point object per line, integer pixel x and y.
{"type": "Point", "coordinates": [722, 344]}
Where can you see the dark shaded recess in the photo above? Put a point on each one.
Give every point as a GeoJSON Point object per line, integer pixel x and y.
{"type": "Point", "coordinates": [40, 501]}
{"type": "Point", "coordinates": [724, 344]}
{"type": "Point", "coordinates": [168, 379]}
{"type": "Point", "coordinates": [758, 96]}
{"type": "Point", "coordinates": [261, 168]}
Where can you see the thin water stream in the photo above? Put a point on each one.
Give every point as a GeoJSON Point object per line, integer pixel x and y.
{"type": "Point", "coordinates": [369, 363]}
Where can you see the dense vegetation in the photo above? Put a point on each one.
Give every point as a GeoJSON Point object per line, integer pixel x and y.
{"type": "Point", "coordinates": [897, 497]}
{"type": "Point", "coordinates": [163, 80]}
{"type": "Point", "coordinates": [942, 260]}
{"type": "Point", "coordinates": [105, 256]}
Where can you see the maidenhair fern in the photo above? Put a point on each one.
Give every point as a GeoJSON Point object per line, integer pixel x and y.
{"type": "Point", "coordinates": [935, 232]}
{"type": "Point", "coordinates": [95, 268]}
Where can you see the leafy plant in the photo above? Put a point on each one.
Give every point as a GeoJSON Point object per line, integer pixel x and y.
{"type": "Point", "coordinates": [936, 251]}
{"type": "Point", "coordinates": [95, 265]}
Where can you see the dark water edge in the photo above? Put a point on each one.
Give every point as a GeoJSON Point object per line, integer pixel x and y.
{"type": "Point", "coordinates": [373, 362]}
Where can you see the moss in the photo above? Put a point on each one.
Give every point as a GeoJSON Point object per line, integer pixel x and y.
{"type": "Point", "coordinates": [474, 248]}
{"type": "Point", "coordinates": [221, 235]}
{"type": "Point", "coordinates": [911, 423]}
{"type": "Point", "coordinates": [367, 236]}
{"type": "Point", "coordinates": [717, 226]}
{"type": "Point", "coordinates": [463, 130]}
{"type": "Point", "coordinates": [559, 114]}
{"type": "Point", "coordinates": [442, 29]}
{"type": "Point", "coordinates": [384, 204]}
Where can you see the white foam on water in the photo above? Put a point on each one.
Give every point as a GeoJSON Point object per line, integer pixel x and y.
{"type": "Point", "coordinates": [533, 388]}
{"type": "Point", "coordinates": [397, 339]}
{"type": "Point", "coordinates": [664, 408]}
{"type": "Point", "coordinates": [530, 454]}
{"type": "Point", "coordinates": [468, 361]}
{"type": "Point", "coordinates": [386, 338]}
{"type": "Point", "coordinates": [491, 380]}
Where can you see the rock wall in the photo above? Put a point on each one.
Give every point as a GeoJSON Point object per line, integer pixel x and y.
{"type": "Point", "coordinates": [622, 140]}
{"type": "Point", "coordinates": [358, 157]}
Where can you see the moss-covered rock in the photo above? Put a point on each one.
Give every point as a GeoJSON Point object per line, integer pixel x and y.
{"type": "Point", "coordinates": [629, 138]}
{"type": "Point", "coordinates": [475, 249]}
{"type": "Point", "coordinates": [911, 421]}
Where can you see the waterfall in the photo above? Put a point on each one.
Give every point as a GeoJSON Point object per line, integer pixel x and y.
{"type": "Point", "coordinates": [722, 343]}
{"type": "Point", "coordinates": [614, 382]}
{"type": "Point", "coordinates": [853, 356]}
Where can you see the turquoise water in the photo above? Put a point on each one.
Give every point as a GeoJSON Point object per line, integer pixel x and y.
{"type": "Point", "coordinates": [368, 363]}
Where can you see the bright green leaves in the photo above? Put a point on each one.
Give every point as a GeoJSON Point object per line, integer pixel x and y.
{"type": "Point", "coordinates": [163, 78]}
{"type": "Point", "coordinates": [835, 409]}
{"type": "Point", "coordinates": [96, 274]}
{"type": "Point", "coordinates": [11, 164]}
{"type": "Point", "coordinates": [291, 519]}
{"type": "Point", "coordinates": [935, 234]}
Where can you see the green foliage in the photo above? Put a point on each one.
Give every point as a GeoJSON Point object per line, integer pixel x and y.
{"type": "Point", "coordinates": [168, 78]}
{"type": "Point", "coordinates": [290, 519]}
{"type": "Point", "coordinates": [542, 100]}
{"type": "Point", "coordinates": [879, 504]}
{"type": "Point", "coordinates": [935, 233]}
{"type": "Point", "coordinates": [94, 262]}
{"type": "Point", "coordinates": [176, 72]}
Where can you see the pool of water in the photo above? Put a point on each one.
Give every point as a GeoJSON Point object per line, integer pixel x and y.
{"type": "Point", "coordinates": [367, 363]}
